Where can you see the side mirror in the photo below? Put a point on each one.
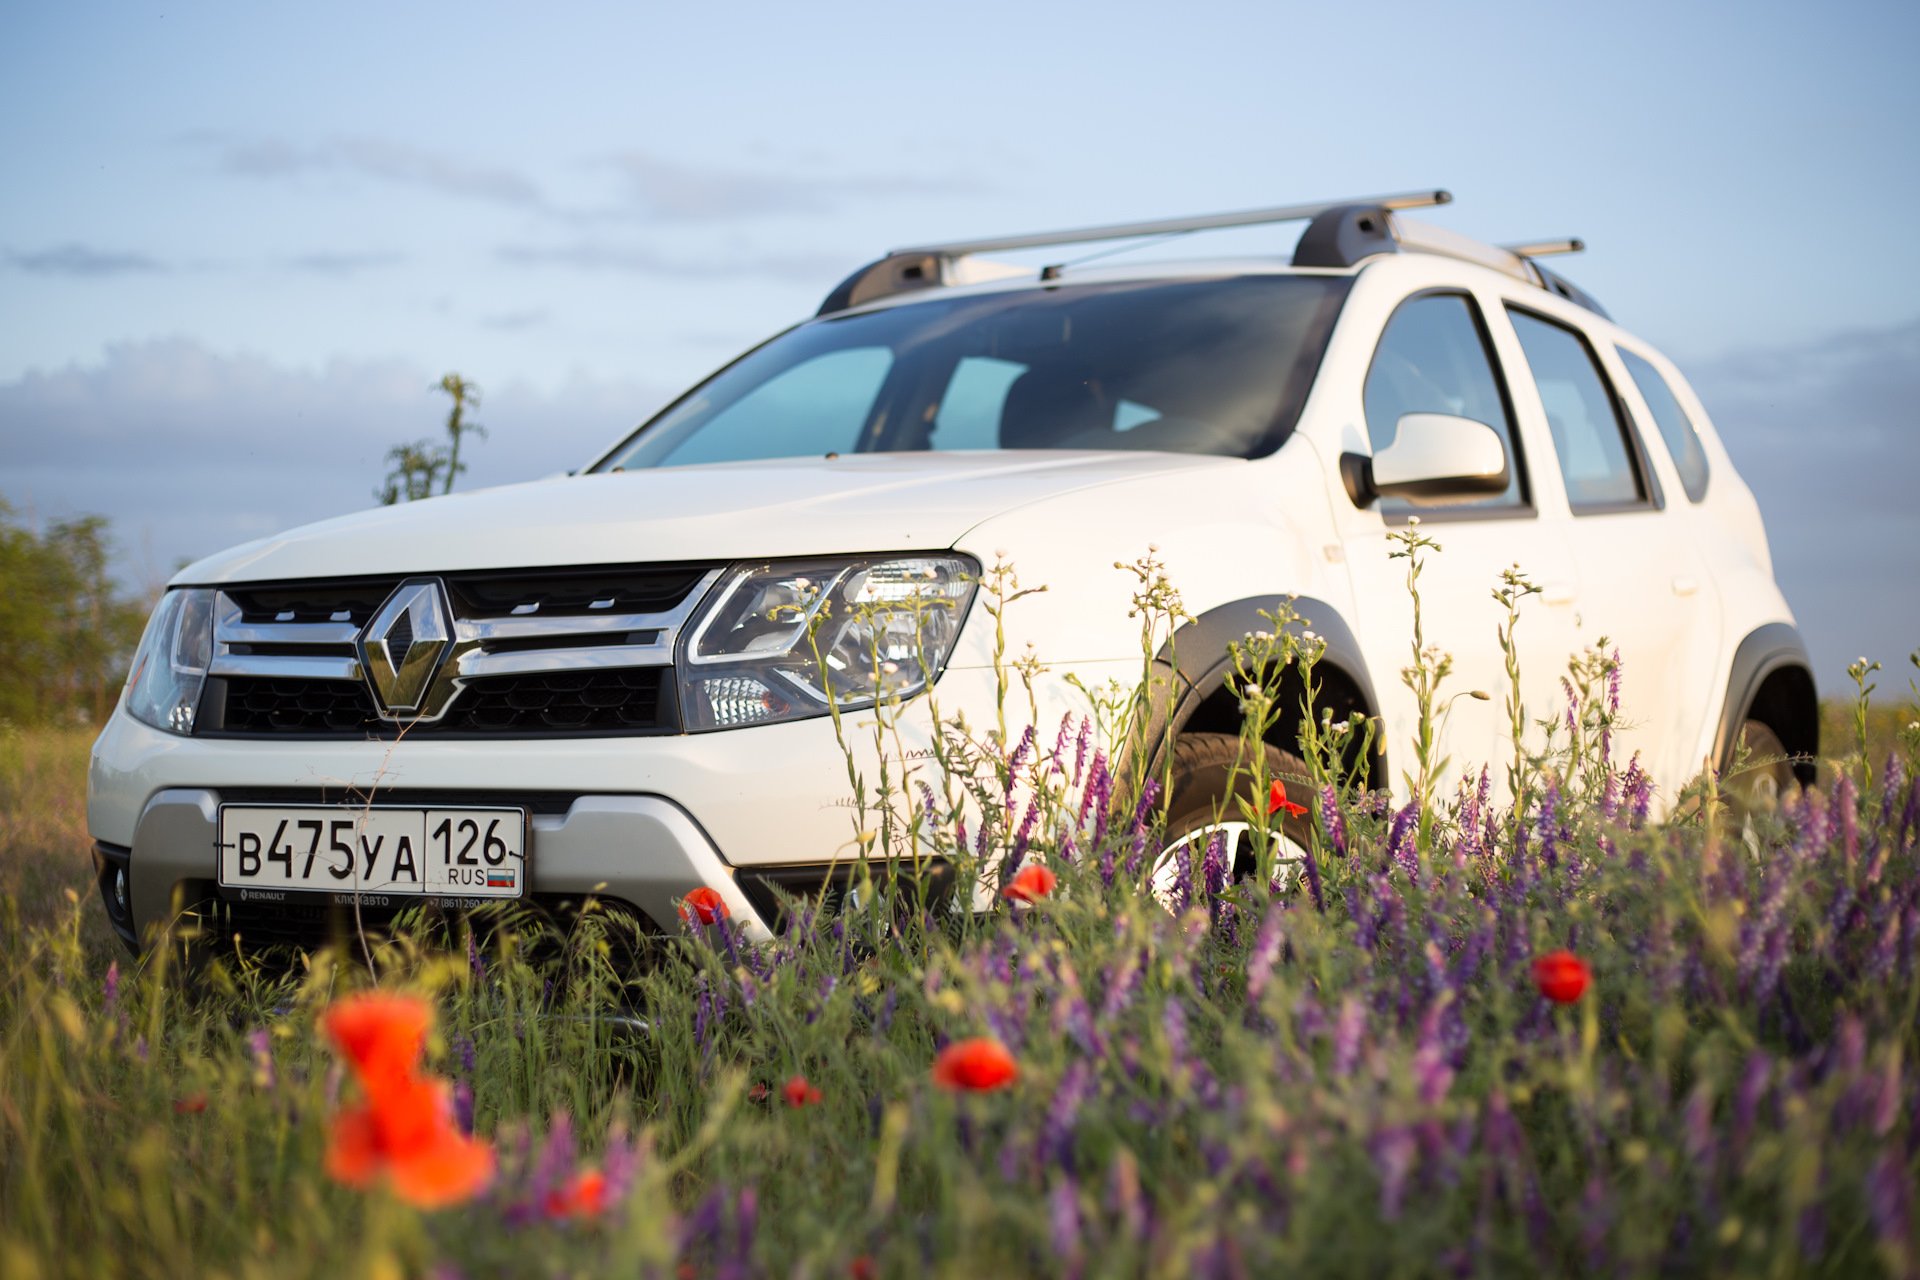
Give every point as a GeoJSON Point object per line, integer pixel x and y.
{"type": "Point", "coordinates": [1437, 458]}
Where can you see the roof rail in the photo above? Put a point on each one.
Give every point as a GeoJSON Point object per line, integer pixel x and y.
{"type": "Point", "coordinates": [1341, 233]}
{"type": "Point", "coordinates": [1179, 226]}
{"type": "Point", "coordinates": [930, 266]}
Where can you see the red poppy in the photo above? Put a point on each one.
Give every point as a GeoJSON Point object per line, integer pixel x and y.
{"type": "Point", "coordinates": [975, 1066]}
{"type": "Point", "coordinates": [582, 1196]}
{"type": "Point", "coordinates": [1561, 976]}
{"type": "Point", "coordinates": [862, 1268]}
{"type": "Point", "coordinates": [758, 1092]}
{"type": "Point", "coordinates": [191, 1105]}
{"type": "Point", "coordinates": [799, 1093]}
{"type": "Point", "coordinates": [1032, 884]}
{"type": "Point", "coordinates": [1277, 801]}
{"type": "Point", "coordinates": [705, 905]}
{"type": "Point", "coordinates": [382, 1034]}
{"type": "Point", "coordinates": [406, 1132]}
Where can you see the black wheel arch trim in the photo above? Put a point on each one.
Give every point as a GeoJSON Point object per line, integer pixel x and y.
{"type": "Point", "coordinates": [1195, 663]}
{"type": "Point", "coordinates": [1766, 652]}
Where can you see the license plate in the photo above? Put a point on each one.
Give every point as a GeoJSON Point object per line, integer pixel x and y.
{"type": "Point", "coordinates": [379, 856]}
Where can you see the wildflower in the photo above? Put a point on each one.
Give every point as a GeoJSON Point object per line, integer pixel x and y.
{"type": "Point", "coordinates": [704, 906]}
{"type": "Point", "coordinates": [582, 1196]}
{"type": "Point", "coordinates": [1561, 976]}
{"type": "Point", "coordinates": [382, 1035]}
{"type": "Point", "coordinates": [975, 1066]}
{"type": "Point", "coordinates": [862, 1268]}
{"type": "Point", "coordinates": [260, 1045]}
{"type": "Point", "coordinates": [799, 1093]}
{"type": "Point", "coordinates": [406, 1131]}
{"type": "Point", "coordinates": [1277, 802]}
{"type": "Point", "coordinates": [759, 1092]}
{"type": "Point", "coordinates": [191, 1105]}
{"type": "Point", "coordinates": [1032, 884]}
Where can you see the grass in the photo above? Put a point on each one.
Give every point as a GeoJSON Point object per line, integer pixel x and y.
{"type": "Point", "coordinates": [1350, 1071]}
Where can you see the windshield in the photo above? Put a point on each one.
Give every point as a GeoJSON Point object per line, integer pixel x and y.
{"type": "Point", "coordinates": [1216, 366]}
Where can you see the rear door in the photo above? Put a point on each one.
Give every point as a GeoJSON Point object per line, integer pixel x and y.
{"type": "Point", "coordinates": [1644, 588]}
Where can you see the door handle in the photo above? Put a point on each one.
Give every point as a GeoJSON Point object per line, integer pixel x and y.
{"type": "Point", "coordinates": [1685, 586]}
{"type": "Point", "coordinates": [1558, 593]}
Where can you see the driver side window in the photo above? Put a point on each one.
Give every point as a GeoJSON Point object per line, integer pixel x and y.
{"type": "Point", "coordinates": [1434, 358]}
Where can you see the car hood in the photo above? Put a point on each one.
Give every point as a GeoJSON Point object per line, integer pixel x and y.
{"type": "Point", "coordinates": [729, 511]}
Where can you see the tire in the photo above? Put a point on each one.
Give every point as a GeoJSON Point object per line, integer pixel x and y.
{"type": "Point", "coordinates": [1765, 780]}
{"type": "Point", "coordinates": [1203, 767]}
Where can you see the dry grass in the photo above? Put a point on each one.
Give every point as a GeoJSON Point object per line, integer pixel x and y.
{"type": "Point", "coordinates": [44, 847]}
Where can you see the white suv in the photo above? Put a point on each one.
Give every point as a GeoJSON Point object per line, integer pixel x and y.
{"type": "Point", "coordinates": [618, 682]}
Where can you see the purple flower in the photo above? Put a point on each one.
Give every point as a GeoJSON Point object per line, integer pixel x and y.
{"type": "Point", "coordinates": [1060, 743]}
{"type": "Point", "coordinates": [1142, 816]}
{"type": "Point", "coordinates": [1213, 866]}
{"type": "Point", "coordinates": [260, 1046]}
{"type": "Point", "coordinates": [1063, 1113]}
{"type": "Point", "coordinates": [1890, 1205]}
{"type": "Point", "coordinates": [463, 1106]}
{"type": "Point", "coordinates": [1266, 953]}
{"type": "Point", "coordinates": [1400, 842]}
{"type": "Point", "coordinates": [1020, 840]}
{"type": "Point", "coordinates": [1332, 823]}
{"type": "Point", "coordinates": [1393, 1152]}
{"type": "Point", "coordinates": [1347, 1032]}
{"type": "Point", "coordinates": [1063, 1216]}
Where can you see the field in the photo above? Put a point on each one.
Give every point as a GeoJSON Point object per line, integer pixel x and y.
{"type": "Point", "coordinates": [1379, 1066]}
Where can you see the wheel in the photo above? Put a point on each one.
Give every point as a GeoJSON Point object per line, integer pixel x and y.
{"type": "Point", "coordinates": [1201, 803]}
{"type": "Point", "coordinates": [1765, 778]}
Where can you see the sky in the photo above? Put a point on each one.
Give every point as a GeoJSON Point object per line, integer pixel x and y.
{"type": "Point", "coordinates": [240, 242]}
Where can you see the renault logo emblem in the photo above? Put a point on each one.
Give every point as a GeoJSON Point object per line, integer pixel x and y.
{"type": "Point", "coordinates": [402, 648]}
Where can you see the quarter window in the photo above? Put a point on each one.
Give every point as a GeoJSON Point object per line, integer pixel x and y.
{"type": "Point", "coordinates": [1434, 358]}
{"type": "Point", "coordinates": [1588, 433]}
{"type": "Point", "coordinates": [1676, 428]}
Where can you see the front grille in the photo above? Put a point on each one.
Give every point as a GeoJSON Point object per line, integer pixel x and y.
{"type": "Point", "coordinates": [619, 700]}
{"type": "Point", "coordinates": [249, 705]}
{"type": "Point", "coordinates": [533, 653]}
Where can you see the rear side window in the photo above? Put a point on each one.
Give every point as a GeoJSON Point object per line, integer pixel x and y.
{"type": "Point", "coordinates": [1676, 428]}
{"type": "Point", "coordinates": [1434, 358]}
{"type": "Point", "coordinates": [1596, 459]}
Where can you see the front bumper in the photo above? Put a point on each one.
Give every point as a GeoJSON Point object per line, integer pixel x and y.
{"type": "Point", "coordinates": [640, 820]}
{"type": "Point", "coordinates": [640, 850]}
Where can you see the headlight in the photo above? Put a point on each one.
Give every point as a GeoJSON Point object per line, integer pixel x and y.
{"type": "Point", "coordinates": [788, 641]}
{"type": "Point", "coordinates": [170, 666]}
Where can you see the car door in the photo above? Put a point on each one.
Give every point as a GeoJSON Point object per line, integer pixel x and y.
{"type": "Point", "coordinates": [1435, 354]}
{"type": "Point", "coordinates": [1643, 585]}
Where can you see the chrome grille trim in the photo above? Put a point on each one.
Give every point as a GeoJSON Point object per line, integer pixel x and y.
{"type": "Point", "coordinates": [329, 650]}
{"type": "Point", "coordinates": [303, 666]}
{"type": "Point", "coordinates": [475, 663]}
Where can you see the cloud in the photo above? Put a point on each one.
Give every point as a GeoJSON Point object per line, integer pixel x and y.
{"type": "Point", "coordinates": [377, 158]}
{"type": "Point", "coordinates": [651, 188]}
{"type": "Point", "coordinates": [82, 260]}
{"type": "Point", "coordinates": [671, 191]}
{"type": "Point", "coordinates": [1824, 434]}
{"type": "Point", "coordinates": [325, 263]}
{"type": "Point", "coordinates": [516, 321]}
{"type": "Point", "coordinates": [600, 256]}
{"type": "Point", "coordinates": [190, 450]}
